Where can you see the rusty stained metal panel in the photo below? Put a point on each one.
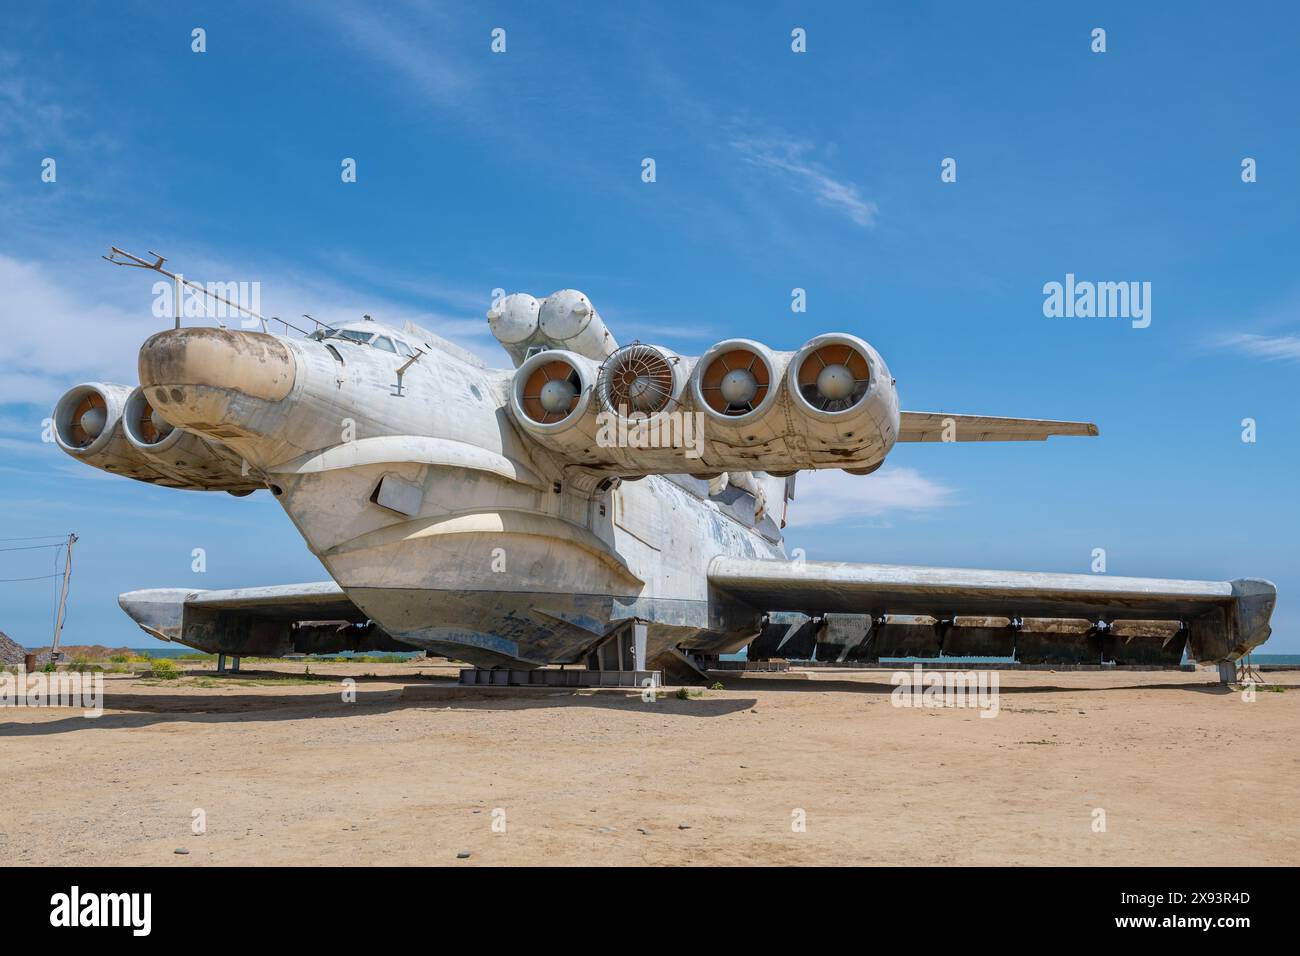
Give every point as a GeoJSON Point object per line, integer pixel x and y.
{"type": "Point", "coordinates": [1225, 618]}
{"type": "Point", "coordinates": [1057, 641]}
{"type": "Point", "coordinates": [1145, 642]}
{"type": "Point", "coordinates": [840, 634]}
{"type": "Point", "coordinates": [979, 637]}
{"type": "Point", "coordinates": [788, 636]}
{"type": "Point", "coordinates": [905, 635]}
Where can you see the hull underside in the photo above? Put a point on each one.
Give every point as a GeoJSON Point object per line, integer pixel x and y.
{"type": "Point", "coordinates": [535, 628]}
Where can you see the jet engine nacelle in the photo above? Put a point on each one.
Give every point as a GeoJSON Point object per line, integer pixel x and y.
{"type": "Point", "coordinates": [88, 426]}
{"type": "Point", "coordinates": [621, 415]}
{"type": "Point", "coordinates": [737, 385]}
{"type": "Point", "coordinates": [739, 407]}
{"type": "Point", "coordinates": [830, 404]}
{"type": "Point", "coordinates": [188, 459]}
{"type": "Point", "coordinates": [113, 428]}
{"type": "Point", "coordinates": [552, 399]}
{"type": "Point", "coordinates": [564, 320]}
{"type": "Point", "coordinates": [844, 402]}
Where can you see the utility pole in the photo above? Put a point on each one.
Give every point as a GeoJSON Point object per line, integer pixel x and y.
{"type": "Point", "coordinates": [63, 600]}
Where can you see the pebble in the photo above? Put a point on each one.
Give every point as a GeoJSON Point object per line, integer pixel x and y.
{"type": "Point", "coordinates": [463, 855]}
{"type": "Point", "coordinates": [683, 825]}
{"type": "Point", "coordinates": [181, 851]}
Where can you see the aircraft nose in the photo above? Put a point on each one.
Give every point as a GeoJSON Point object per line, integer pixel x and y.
{"type": "Point", "coordinates": [253, 363]}
{"type": "Point", "coordinates": [206, 378]}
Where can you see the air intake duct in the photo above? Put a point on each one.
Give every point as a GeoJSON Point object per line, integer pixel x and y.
{"type": "Point", "coordinates": [842, 389]}
{"type": "Point", "coordinates": [88, 426]}
{"type": "Point", "coordinates": [187, 460]}
{"type": "Point", "coordinates": [737, 385]}
{"type": "Point", "coordinates": [640, 381]}
{"type": "Point", "coordinates": [551, 400]}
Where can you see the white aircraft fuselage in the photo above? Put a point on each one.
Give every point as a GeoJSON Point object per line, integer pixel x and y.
{"type": "Point", "coordinates": [501, 554]}
{"type": "Point", "coordinates": [520, 517]}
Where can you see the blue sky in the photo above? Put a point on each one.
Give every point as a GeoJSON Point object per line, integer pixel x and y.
{"type": "Point", "coordinates": [775, 170]}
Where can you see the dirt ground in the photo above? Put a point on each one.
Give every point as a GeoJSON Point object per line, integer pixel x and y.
{"type": "Point", "coordinates": [1184, 771]}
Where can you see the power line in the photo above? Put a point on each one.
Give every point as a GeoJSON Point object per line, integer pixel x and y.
{"type": "Point", "coordinates": [39, 577]}
{"type": "Point", "coordinates": [38, 537]}
{"type": "Point", "coordinates": [34, 547]}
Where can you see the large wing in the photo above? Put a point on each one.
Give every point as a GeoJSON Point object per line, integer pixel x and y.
{"type": "Point", "coordinates": [941, 426]}
{"type": "Point", "coordinates": [1217, 619]}
{"type": "Point", "coordinates": [269, 621]}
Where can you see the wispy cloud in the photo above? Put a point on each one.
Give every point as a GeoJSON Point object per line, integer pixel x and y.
{"type": "Point", "coordinates": [790, 160]}
{"type": "Point", "coordinates": [26, 112]}
{"type": "Point", "coordinates": [832, 496]}
{"type": "Point", "coordinates": [1270, 347]}
{"type": "Point", "coordinates": [402, 44]}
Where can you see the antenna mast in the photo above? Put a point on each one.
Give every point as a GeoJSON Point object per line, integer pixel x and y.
{"type": "Point", "coordinates": [136, 262]}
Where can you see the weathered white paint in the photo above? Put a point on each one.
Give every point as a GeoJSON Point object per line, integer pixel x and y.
{"type": "Point", "coordinates": [496, 546]}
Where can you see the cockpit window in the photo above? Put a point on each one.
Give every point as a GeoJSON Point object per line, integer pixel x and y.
{"type": "Point", "coordinates": [351, 335]}
{"type": "Point", "coordinates": [403, 349]}
{"type": "Point", "coordinates": [385, 343]}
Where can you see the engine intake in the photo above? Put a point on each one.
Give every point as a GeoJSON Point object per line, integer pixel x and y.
{"type": "Point", "coordinates": [550, 399]}
{"type": "Point", "coordinates": [748, 409]}
{"type": "Point", "coordinates": [842, 388]}
{"type": "Point", "coordinates": [144, 427]}
{"type": "Point", "coordinates": [88, 426]}
{"type": "Point", "coordinates": [736, 381]}
{"type": "Point", "coordinates": [185, 459]}
{"type": "Point", "coordinates": [831, 374]}
{"type": "Point", "coordinates": [86, 418]}
{"type": "Point", "coordinates": [639, 381]}
{"type": "Point", "coordinates": [113, 428]}
{"type": "Point", "coordinates": [550, 387]}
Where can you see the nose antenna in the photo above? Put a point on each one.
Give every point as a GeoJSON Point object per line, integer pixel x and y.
{"type": "Point", "coordinates": [120, 257]}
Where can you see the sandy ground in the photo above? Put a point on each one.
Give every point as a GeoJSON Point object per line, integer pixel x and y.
{"type": "Point", "coordinates": [1185, 771]}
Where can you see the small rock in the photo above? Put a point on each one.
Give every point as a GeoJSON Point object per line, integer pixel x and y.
{"type": "Point", "coordinates": [463, 855]}
{"type": "Point", "coordinates": [683, 825]}
{"type": "Point", "coordinates": [606, 829]}
{"type": "Point", "coordinates": [643, 830]}
{"type": "Point", "coordinates": [181, 851]}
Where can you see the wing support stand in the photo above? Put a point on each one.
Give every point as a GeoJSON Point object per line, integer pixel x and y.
{"type": "Point", "coordinates": [618, 660]}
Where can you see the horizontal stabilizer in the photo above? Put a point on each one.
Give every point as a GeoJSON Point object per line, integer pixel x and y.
{"type": "Point", "coordinates": [1222, 619]}
{"type": "Point", "coordinates": [940, 426]}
